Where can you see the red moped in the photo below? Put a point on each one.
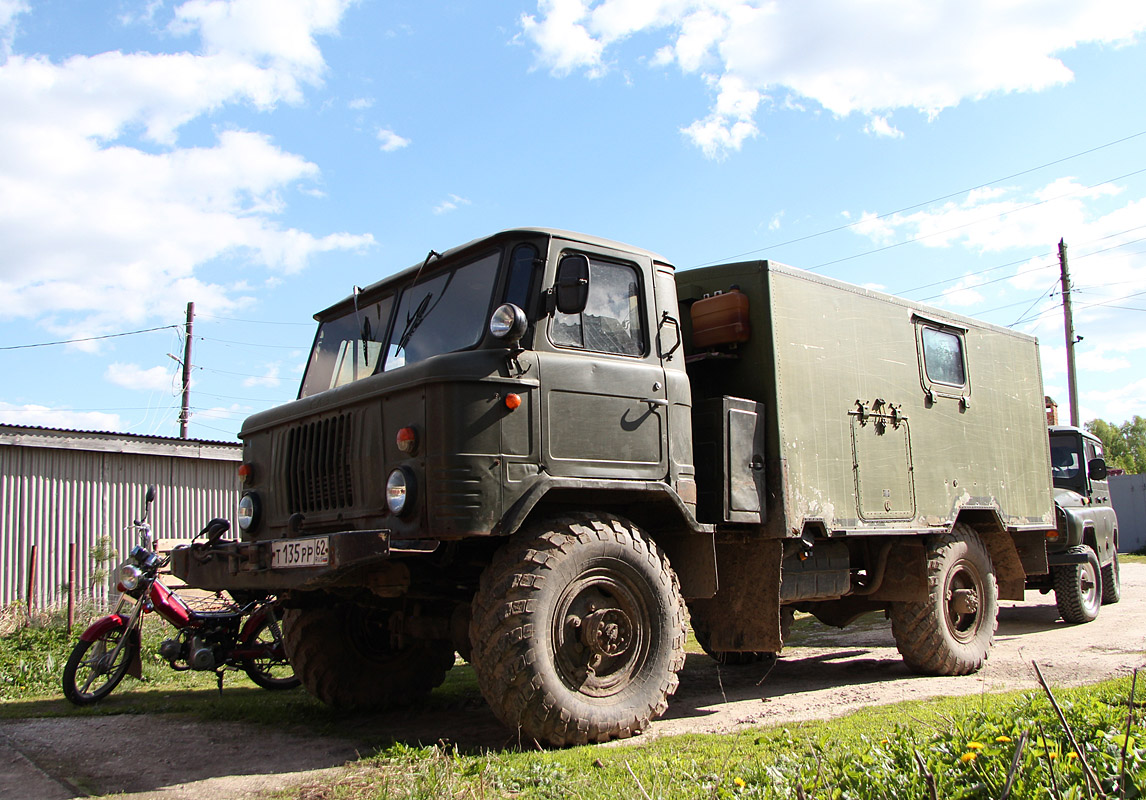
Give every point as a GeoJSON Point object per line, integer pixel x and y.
{"type": "Point", "coordinates": [243, 635]}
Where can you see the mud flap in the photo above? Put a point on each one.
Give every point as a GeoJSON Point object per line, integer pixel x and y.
{"type": "Point", "coordinates": [744, 615]}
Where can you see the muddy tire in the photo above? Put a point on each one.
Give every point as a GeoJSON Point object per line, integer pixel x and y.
{"type": "Point", "coordinates": [1078, 587]}
{"type": "Point", "coordinates": [344, 656]}
{"type": "Point", "coordinates": [578, 631]}
{"type": "Point", "coordinates": [1111, 583]}
{"type": "Point", "coordinates": [950, 633]}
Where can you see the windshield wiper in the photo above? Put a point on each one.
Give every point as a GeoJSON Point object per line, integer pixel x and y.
{"type": "Point", "coordinates": [413, 321]}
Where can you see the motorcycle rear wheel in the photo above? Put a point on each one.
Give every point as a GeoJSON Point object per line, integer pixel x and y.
{"type": "Point", "coordinates": [272, 671]}
{"type": "Point", "coordinates": [90, 675]}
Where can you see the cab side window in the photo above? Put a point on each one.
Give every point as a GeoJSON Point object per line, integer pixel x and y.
{"type": "Point", "coordinates": [611, 321]}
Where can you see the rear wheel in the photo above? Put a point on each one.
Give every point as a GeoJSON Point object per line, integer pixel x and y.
{"type": "Point", "coordinates": [1111, 583]}
{"type": "Point", "coordinates": [94, 668]}
{"type": "Point", "coordinates": [270, 669]}
{"type": "Point", "coordinates": [578, 631]}
{"type": "Point", "coordinates": [1078, 587]}
{"type": "Point", "coordinates": [346, 657]}
{"type": "Point", "coordinates": [950, 633]}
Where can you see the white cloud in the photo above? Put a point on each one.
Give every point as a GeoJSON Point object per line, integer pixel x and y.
{"type": "Point", "coordinates": [45, 417]}
{"type": "Point", "coordinates": [98, 227]}
{"type": "Point", "coordinates": [269, 379]}
{"type": "Point", "coordinates": [132, 376]}
{"type": "Point", "coordinates": [360, 103]}
{"type": "Point", "coordinates": [450, 204]}
{"type": "Point", "coordinates": [391, 141]}
{"type": "Point", "coordinates": [881, 126]}
{"type": "Point", "coordinates": [844, 57]}
{"type": "Point", "coordinates": [962, 294]}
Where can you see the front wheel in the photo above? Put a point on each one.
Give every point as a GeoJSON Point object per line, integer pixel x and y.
{"type": "Point", "coordinates": [1078, 587]}
{"type": "Point", "coordinates": [96, 667]}
{"type": "Point", "coordinates": [578, 630]}
{"type": "Point", "coordinates": [345, 656]}
{"type": "Point", "coordinates": [950, 633]}
{"type": "Point", "coordinates": [270, 669]}
{"type": "Point", "coordinates": [1111, 583]}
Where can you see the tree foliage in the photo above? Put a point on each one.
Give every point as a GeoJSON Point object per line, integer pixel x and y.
{"type": "Point", "coordinates": [1125, 444]}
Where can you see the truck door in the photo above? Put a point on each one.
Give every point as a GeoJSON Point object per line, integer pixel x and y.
{"type": "Point", "coordinates": [604, 407]}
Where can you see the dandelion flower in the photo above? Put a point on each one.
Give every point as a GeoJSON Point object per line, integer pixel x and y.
{"type": "Point", "coordinates": [974, 745]}
{"type": "Point", "coordinates": [1052, 755]}
{"type": "Point", "coordinates": [967, 758]}
{"type": "Point", "coordinates": [1072, 755]}
{"type": "Point", "coordinates": [1002, 739]}
{"type": "Point", "coordinates": [740, 782]}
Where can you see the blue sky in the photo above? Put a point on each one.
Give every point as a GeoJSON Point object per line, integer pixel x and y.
{"type": "Point", "coordinates": [261, 157]}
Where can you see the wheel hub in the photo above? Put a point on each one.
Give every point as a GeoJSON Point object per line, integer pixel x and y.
{"type": "Point", "coordinates": [607, 632]}
{"type": "Point", "coordinates": [965, 601]}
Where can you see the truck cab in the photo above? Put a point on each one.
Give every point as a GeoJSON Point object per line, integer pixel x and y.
{"type": "Point", "coordinates": [1083, 555]}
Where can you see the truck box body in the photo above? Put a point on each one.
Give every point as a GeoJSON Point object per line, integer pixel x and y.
{"type": "Point", "coordinates": [866, 430]}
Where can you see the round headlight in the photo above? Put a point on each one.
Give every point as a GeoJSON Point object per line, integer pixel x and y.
{"type": "Point", "coordinates": [400, 491]}
{"type": "Point", "coordinates": [508, 322]}
{"type": "Point", "coordinates": [248, 511]}
{"type": "Point", "coordinates": [129, 576]}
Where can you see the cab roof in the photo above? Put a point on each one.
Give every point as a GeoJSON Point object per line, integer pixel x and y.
{"type": "Point", "coordinates": [403, 276]}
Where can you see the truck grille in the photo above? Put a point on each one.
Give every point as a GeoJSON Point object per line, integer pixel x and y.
{"type": "Point", "coordinates": [317, 468]}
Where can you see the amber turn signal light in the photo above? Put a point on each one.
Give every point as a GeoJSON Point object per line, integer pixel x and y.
{"type": "Point", "coordinates": [512, 401]}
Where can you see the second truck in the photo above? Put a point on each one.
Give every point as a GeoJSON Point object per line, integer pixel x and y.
{"type": "Point", "coordinates": [546, 451]}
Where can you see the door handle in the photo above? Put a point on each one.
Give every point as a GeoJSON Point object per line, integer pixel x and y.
{"type": "Point", "coordinates": [654, 401]}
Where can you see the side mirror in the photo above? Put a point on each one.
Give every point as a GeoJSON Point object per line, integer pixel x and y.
{"type": "Point", "coordinates": [572, 283]}
{"type": "Point", "coordinates": [1096, 469]}
{"type": "Point", "coordinates": [149, 498]}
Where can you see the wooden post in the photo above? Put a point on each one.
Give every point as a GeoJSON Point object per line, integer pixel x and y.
{"type": "Point", "coordinates": [71, 586]}
{"type": "Point", "coordinates": [31, 581]}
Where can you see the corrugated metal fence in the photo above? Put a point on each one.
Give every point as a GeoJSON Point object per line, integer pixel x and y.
{"type": "Point", "coordinates": [1128, 496]}
{"type": "Point", "coordinates": [59, 488]}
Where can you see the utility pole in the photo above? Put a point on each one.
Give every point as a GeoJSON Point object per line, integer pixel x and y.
{"type": "Point", "coordinates": [1068, 321]}
{"type": "Point", "coordinates": [185, 410]}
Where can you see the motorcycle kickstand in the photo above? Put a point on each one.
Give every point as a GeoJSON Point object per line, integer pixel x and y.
{"type": "Point", "coordinates": [219, 680]}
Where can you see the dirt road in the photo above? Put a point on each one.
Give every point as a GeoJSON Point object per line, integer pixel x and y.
{"type": "Point", "coordinates": [831, 673]}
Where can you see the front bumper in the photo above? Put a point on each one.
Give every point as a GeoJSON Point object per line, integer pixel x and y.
{"type": "Point", "coordinates": [247, 565]}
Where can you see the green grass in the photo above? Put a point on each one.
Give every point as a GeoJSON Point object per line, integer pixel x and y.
{"type": "Point", "coordinates": [965, 748]}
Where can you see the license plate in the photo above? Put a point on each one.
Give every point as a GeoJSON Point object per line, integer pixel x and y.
{"type": "Point", "coordinates": [286, 553]}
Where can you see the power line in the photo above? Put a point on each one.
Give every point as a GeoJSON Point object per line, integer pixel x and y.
{"type": "Point", "coordinates": [89, 338]}
{"type": "Point", "coordinates": [973, 222]}
{"type": "Point", "coordinates": [257, 321]}
{"type": "Point", "coordinates": [925, 202]}
{"type": "Point", "coordinates": [253, 344]}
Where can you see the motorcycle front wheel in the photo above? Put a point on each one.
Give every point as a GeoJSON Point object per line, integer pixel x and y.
{"type": "Point", "coordinates": [94, 668]}
{"type": "Point", "coordinates": [271, 670]}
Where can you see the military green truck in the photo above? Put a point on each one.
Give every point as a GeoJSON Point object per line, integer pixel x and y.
{"type": "Point", "coordinates": [1083, 558]}
{"type": "Point", "coordinates": [545, 451]}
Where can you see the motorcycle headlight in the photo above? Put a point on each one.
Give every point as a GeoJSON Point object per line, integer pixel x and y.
{"type": "Point", "coordinates": [248, 511]}
{"type": "Point", "coordinates": [129, 577]}
{"type": "Point", "coordinates": [400, 491]}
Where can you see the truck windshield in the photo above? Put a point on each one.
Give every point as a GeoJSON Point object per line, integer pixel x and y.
{"type": "Point", "coordinates": [347, 348]}
{"type": "Point", "coordinates": [1066, 463]}
{"type": "Point", "coordinates": [443, 313]}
